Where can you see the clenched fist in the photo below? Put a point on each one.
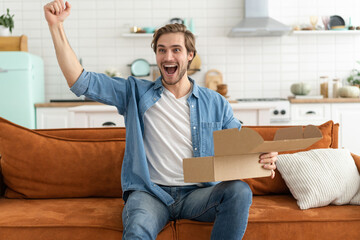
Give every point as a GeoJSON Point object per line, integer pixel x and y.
{"type": "Point", "coordinates": [56, 11]}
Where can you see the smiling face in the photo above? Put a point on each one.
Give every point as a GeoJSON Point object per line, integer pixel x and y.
{"type": "Point", "coordinates": [172, 58]}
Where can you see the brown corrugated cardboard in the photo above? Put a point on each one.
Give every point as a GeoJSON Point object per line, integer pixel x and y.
{"type": "Point", "coordinates": [237, 153]}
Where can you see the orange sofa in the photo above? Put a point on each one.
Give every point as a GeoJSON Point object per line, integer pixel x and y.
{"type": "Point", "coordinates": [65, 184]}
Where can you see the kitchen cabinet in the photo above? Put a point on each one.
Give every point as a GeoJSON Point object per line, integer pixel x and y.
{"type": "Point", "coordinates": [50, 117]}
{"type": "Point", "coordinates": [95, 116]}
{"type": "Point", "coordinates": [346, 114]}
{"type": "Point", "coordinates": [81, 116]}
{"type": "Point", "coordinates": [316, 113]}
{"type": "Point", "coordinates": [53, 115]}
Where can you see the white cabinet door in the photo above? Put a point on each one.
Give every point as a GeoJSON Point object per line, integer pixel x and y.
{"type": "Point", "coordinates": [312, 113]}
{"type": "Point", "coordinates": [253, 117]}
{"type": "Point", "coordinates": [49, 117]}
{"type": "Point", "coordinates": [95, 116]}
{"type": "Point", "coordinates": [348, 116]}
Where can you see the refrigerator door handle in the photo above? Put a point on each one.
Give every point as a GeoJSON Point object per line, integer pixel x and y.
{"type": "Point", "coordinates": [3, 70]}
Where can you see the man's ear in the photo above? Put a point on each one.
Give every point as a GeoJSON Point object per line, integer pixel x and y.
{"type": "Point", "coordinates": [190, 56]}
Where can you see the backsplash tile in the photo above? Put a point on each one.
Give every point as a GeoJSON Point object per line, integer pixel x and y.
{"type": "Point", "coordinates": [252, 67]}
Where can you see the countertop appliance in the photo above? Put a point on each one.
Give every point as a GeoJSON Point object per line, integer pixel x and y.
{"type": "Point", "coordinates": [279, 113]}
{"type": "Point", "coordinates": [21, 86]}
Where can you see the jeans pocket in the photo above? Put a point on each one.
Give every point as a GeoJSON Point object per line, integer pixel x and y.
{"type": "Point", "coordinates": [207, 142]}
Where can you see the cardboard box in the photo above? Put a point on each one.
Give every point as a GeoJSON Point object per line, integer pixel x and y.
{"type": "Point", "coordinates": [237, 153]}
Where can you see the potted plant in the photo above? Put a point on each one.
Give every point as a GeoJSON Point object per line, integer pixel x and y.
{"type": "Point", "coordinates": [6, 24]}
{"type": "Point", "coordinates": [354, 78]}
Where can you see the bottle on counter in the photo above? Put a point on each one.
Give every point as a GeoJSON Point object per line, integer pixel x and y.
{"type": "Point", "coordinates": [336, 86]}
{"type": "Point", "coordinates": [324, 86]}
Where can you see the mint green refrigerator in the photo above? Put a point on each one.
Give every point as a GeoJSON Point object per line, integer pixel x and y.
{"type": "Point", "coordinates": [21, 86]}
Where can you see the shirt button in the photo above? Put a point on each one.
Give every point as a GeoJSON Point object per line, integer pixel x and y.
{"type": "Point", "coordinates": [154, 99]}
{"type": "Point", "coordinates": [192, 106]}
{"type": "Point", "coordinates": [194, 127]}
{"type": "Point", "coordinates": [195, 149]}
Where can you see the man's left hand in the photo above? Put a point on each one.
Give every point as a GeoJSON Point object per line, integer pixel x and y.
{"type": "Point", "coordinates": [269, 162]}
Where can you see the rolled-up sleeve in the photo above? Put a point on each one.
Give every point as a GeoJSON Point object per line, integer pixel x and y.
{"type": "Point", "coordinates": [102, 88]}
{"type": "Point", "coordinates": [81, 84]}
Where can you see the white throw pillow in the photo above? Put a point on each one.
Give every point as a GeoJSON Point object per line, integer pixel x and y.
{"type": "Point", "coordinates": [321, 177]}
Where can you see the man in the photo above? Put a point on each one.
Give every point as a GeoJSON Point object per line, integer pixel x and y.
{"type": "Point", "coordinates": [166, 121]}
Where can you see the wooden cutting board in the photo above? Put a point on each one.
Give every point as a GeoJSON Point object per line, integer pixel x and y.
{"type": "Point", "coordinates": [213, 77]}
{"type": "Point", "coordinates": [195, 65]}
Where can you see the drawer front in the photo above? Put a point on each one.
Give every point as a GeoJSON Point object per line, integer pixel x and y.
{"type": "Point", "coordinates": [315, 112]}
{"type": "Point", "coordinates": [105, 120]}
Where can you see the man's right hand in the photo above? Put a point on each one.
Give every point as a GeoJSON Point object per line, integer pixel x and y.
{"type": "Point", "coordinates": [55, 12]}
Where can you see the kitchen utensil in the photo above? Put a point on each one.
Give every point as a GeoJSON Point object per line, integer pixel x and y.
{"type": "Point", "coordinates": [195, 65]}
{"type": "Point", "coordinates": [313, 21]}
{"type": "Point", "coordinates": [336, 22]}
{"type": "Point", "coordinates": [155, 73]}
{"type": "Point", "coordinates": [222, 89]}
{"type": "Point", "coordinates": [177, 20]}
{"type": "Point", "coordinates": [149, 29]}
{"type": "Point", "coordinates": [140, 68]}
{"type": "Point", "coordinates": [326, 20]}
{"type": "Point", "coordinates": [213, 78]}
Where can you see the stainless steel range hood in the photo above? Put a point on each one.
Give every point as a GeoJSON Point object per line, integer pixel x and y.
{"type": "Point", "coordinates": [257, 22]}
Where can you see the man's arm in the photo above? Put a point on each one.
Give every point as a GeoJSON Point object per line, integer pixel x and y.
{"type": "Point", "coordinates": [55, 14]}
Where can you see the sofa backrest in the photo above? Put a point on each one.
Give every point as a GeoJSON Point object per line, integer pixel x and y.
{"type": "Point", "coordinates": [106, 145]}
{"type": "Point", "coordinates": [61, 163]}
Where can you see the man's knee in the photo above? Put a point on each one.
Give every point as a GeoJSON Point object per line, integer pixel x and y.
{"type": "Point", "coordinates": [143, 216]}
{"type": "Point", "coordinates": [238, 190]}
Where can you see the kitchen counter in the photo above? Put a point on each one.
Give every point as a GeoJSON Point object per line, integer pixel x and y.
{"type": "Point", "coordinates": [64, 104]}
{"type": "Point", "coordinates": [325, 100]}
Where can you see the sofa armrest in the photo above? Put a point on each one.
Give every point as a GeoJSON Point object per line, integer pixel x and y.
{"type": "Point", "coordinates": [2, 185]}
{"type": "Point", "coordinates": [357, 161]}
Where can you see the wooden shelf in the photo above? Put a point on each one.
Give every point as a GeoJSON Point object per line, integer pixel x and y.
{"type": "Point", "coordinates": [137, 35]}
{"type": "Point", "coordinates": [142, 35]}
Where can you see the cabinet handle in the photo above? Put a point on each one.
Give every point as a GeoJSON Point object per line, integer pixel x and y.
{"type": "Point", "coordinates": [108, 124]}
{"type": "Point", "coordinates": [310, 112]}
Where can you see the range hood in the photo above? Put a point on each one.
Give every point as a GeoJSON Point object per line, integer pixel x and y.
{"type": "Point", "coordinates": [257, 22]}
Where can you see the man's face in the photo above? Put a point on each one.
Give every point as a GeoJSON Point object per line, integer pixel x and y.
{"type": "Point", "coordinates": [172, 57]}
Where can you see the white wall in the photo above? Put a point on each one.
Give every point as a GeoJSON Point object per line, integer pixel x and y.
{"type": "Point", "coordinates": [252, 67]}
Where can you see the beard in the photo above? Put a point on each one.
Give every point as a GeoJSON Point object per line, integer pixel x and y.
{"type": "Point", "coordinates": [180, 76]}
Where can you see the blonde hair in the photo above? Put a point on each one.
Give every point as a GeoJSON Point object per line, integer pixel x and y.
{"type": "Point", "coordinates": [176, 28]}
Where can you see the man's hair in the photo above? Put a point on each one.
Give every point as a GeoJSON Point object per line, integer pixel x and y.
{"type": "Point", "coordinates": [175, 28]}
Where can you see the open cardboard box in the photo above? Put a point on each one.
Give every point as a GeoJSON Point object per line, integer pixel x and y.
{"type": "Point", "coordinates": [237, 153]}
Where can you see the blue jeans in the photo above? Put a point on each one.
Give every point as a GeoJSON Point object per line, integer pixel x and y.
{"type": "Point", "coordinates": [226, 204]}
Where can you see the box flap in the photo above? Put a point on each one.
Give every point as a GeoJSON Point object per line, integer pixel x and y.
{"type": "Point", "coordinates": [234, 142]}
{"type": "Point", "coordinates": [297, 132]}
{"type": "Point", "coordinates": [230, 142]}
{"type": "Point", "coordinates": [285, 145]}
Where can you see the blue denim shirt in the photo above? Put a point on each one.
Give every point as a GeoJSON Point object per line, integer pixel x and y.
{"type": "Point", "coordinates": [209, 111]}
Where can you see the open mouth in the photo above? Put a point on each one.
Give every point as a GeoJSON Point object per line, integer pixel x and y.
{"type": "Point", "coordinates": [170, 69]}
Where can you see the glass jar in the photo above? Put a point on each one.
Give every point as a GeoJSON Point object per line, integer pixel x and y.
{"type": "Point", "coordinates": [324, 86]}
{"type": "Point", "coordinates": [336, 86]}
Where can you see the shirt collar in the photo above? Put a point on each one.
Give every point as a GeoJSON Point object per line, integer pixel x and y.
{"type": "Point", "coordinates": [195, 89]}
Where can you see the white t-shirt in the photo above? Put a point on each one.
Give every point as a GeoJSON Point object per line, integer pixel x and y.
{"type": "Point", "coordinates": [167, 139]}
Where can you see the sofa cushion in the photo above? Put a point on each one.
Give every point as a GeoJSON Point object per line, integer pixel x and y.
{"type": "Point", "coordinates": [279, 217]}
{"type": "Point", "coordinates": [36, 165]}
{"type": "Point", "coordinates": [266, 185]}
{"type": "Point", "coordinates": [321, 177]}
{"type": "Point", "coordinates": [55, 219]}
